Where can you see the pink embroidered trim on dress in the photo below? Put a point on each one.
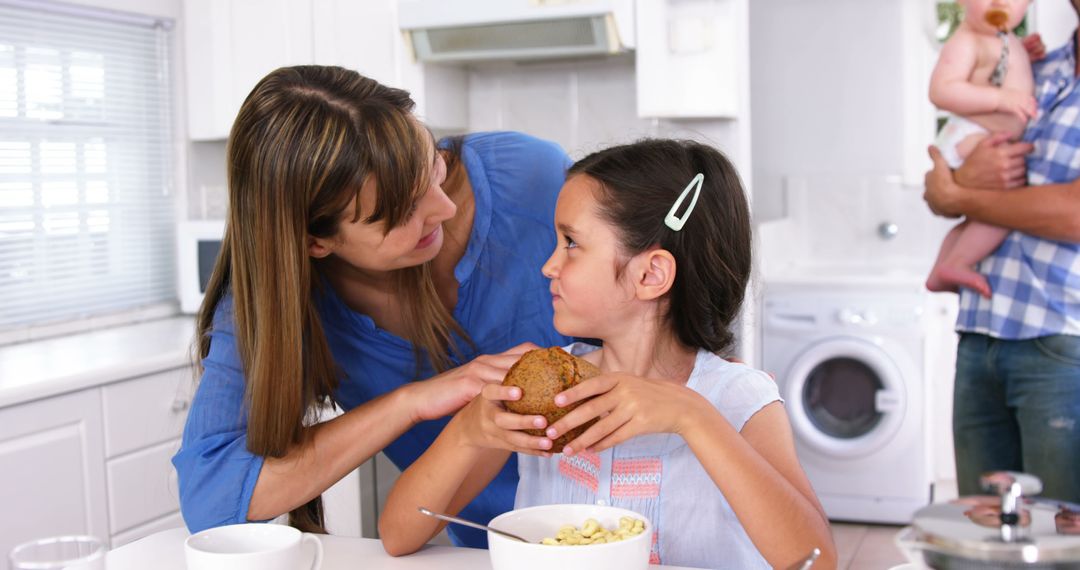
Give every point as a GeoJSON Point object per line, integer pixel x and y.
{"type": "Point", "coordinates": [583, 468]}
{"type": "Point", "coordinates": [636, 478]}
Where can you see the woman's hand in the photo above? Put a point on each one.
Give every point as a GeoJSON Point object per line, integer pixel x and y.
{"type": "Point", "coordinates": [485, 423]}
{"type": "Point", "coordinates": [450, 391]}
{"type": "Point", "coordinates": [626, 406]}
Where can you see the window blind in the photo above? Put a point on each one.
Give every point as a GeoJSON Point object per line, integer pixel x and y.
{"type": "Point", "coordinates": [87, 224]}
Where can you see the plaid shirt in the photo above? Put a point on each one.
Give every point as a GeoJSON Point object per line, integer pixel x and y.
{"type": "Point", "coordinates": [1036, 281]}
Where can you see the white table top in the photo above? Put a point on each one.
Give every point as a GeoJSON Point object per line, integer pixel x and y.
{"type": "Point", "coordinates": [165, 551]}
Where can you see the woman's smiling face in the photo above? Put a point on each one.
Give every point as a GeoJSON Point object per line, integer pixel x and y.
{"type": "Point", "coordinates": [368, 246]}
{"type": "Point", "coordinates": [587, 294]}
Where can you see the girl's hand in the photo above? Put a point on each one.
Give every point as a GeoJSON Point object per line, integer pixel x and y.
{"type": "Point", "coordinates": [485, 423]}
{"type": "Point", "coordinates": [1035, 47]}
{"type": "Point", "coordinates": [626, 406]}
{"type": "Point", "coordinates": [448, 392]}
{"type": "Point", "coordinates": [1021, 104]}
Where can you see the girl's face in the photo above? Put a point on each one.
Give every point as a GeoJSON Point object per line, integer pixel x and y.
{"type": "Point", "coordinates": [367, 246]}
{"type": "Point", "coordinates": [588, 297]}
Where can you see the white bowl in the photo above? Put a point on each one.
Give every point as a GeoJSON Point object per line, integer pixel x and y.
{"type": "Point", "coordinates": [536, 523]}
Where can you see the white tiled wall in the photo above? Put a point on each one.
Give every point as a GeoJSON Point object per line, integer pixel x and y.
{"type": "Point", "coordinates": [584, 105]}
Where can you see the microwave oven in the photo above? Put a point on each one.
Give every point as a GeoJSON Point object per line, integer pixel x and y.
{"type": "Point", "coordinates": [198, 245]}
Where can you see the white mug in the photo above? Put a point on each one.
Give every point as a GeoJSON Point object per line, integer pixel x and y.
{"type": "Point", "coordinates": [252, 546]}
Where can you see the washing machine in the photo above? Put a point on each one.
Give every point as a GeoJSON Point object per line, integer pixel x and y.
{"type": "Point", "coordinates": [848, 359]}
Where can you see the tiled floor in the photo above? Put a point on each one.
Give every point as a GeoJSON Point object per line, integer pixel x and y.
{"type": "Point", "coordinates": [866, 547]}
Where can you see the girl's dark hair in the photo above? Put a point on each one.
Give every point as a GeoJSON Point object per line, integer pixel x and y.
{"type": "Point", "coordinates": [637, 185]}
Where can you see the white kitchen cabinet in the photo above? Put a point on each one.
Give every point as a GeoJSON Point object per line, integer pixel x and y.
{"type": "Point", "coordinates": [143, 419]}
{"type": "Point", "coordinates": [231, 44]}
{"type": "Point", "coordinates": [146, 410]}
{"type": "Point", "coordinates": [357, 35]}
{"type": "Point", "coordinates": [52, 469]}
{"type": "Point", "coordinates": [142, 487]}
{"type": "Point", "coordinates": [690, 60]}
{"type": "Point", "coordinates": [96, 461]}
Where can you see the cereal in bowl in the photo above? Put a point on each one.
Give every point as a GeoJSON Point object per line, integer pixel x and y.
{"type": "Point", "coordinates": [592, 532]}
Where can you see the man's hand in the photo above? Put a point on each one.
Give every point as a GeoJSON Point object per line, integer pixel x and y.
{"type": "Point", "coordinates": [1035, 47]}
{"type": "Point", "coordinates": [940, 186]}
{"type": "Point", "coordinates": [995, 163]}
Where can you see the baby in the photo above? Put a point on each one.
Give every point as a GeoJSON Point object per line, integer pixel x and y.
{"type": "Point", "coordinates": [983, 77]}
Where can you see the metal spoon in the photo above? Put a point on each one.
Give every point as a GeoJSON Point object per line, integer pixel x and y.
{"type": "Point", "coordinates": [457, 520]}
{"type": "Point", "coordinates": [808, 561]}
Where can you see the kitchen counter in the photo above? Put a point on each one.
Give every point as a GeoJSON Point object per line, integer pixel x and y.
{"type": "Point", "coordinates": [43, 368]}
{"type": "Point", "coordinates": [165, 551]}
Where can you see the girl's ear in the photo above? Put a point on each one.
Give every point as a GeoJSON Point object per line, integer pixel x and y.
{"type": "Point", "coordinates": [656, 274]}
{"type": "Point", "coordinates": [319, 247]}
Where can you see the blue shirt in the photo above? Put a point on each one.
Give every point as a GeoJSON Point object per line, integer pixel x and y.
{"type": "Point", "coordinates": [503, 300]}
{"type": "Point", "coordinates": [1036, 281]}
{"type": "Point", "coordinates": [659, 476]}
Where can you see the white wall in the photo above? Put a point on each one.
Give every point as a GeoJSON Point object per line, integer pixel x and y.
{"type": "Point", "coordinates": [1055, 20]}
{"type": "Point", "coordinates": [827, 96]}
{"type": "Point", "coordinates": [583, 105]}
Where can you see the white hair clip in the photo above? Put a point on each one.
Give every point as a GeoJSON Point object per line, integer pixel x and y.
{"type": "Point", "coordinates": [674, 222]}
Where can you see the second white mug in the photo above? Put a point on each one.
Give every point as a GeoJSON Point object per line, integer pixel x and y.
{"type": "Point", "coordinates": [252, 546]}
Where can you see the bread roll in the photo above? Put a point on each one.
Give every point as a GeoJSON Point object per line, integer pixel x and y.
{"type": "Point", "coordinates": [541, 374]}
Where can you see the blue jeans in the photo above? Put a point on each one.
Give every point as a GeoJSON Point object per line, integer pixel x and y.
{"type": "Point", "coordinates": [1016, 406]}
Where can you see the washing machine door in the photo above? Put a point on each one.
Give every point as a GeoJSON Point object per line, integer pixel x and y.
{"type": "Point", "coordinates": [845, 397]}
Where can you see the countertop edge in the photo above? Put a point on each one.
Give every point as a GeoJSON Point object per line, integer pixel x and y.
{"type": "Point", "coordinates": [155, 346]}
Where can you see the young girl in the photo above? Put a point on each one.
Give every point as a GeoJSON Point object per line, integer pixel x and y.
{"type": "Point", "coordinates": [656, 269]}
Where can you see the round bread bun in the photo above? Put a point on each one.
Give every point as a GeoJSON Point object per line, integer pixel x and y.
{"type": "Point", "coordinates": [541, 374]}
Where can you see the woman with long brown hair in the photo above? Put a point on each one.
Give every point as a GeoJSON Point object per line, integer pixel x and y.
{"type": "Point", "coordinates": [364, 265]}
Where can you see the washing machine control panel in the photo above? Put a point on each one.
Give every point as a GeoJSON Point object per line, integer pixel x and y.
{"type": "Point", "coordinates": [856, 317]}
{"type": "Point", "coordinates": [858, 312]}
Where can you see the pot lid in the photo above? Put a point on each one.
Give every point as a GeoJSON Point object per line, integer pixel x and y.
{"type": "Point", "coordinates": [971, 528]}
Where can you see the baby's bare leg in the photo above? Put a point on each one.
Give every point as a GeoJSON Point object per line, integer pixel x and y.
{"type": "Point", "coordinates": [968, 144]}
{"type": "Point", "coordinates": [934, 282]}
{"type": "Point", "coordinates": [974, 242]}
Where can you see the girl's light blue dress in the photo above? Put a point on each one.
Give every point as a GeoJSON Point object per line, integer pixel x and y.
{"type": "Point", "coordinates": [659, 476]}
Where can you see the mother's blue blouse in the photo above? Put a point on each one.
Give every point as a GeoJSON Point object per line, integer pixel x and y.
{"type": "Point", "coordinates": [503, 300]}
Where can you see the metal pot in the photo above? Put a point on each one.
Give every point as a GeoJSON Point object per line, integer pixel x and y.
{"type": "Point", "coordinates": [1009, 529]}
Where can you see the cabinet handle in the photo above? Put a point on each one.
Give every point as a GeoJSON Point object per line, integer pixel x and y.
{"type": "Point", "coordinates": [179, 405]}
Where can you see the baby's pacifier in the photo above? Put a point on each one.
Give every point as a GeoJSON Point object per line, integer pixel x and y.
{"type": "Point", "coordinates": [997, 18]}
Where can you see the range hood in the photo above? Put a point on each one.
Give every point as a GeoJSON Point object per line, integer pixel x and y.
{"type": "Point", "coordinates": [443, 31]}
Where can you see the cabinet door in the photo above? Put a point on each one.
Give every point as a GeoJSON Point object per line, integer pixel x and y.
{"type": "Point", "coordinates": [691, 58]}
{"type": "Point", "coordinates": [358, 35]}
{"type": "Point", "coordinates": [52, 479]}
{"type": "Point", "coordinates": [146, 410]}
{"type": "Point", "coordinates": [229, 46]}
{"type": "Point", "coordinates": [142, 487]}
